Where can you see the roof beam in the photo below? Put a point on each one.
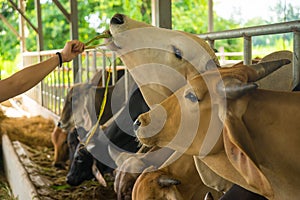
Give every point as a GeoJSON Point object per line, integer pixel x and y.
{"type": "Point", "coordinates": [15, 32]}
{"type": "Point", "coordinates": [63, 10]}
{"type": "Point", "coordinates": [22, 14]}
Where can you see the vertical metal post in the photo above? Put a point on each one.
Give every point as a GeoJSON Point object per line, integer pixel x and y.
{"type": "Point", "coordinates": [103, 68]}
{"type": "Point", "coordinates": [247, 50]}
{"type": "Point", "coordinates": [80, 69]}
{"type": "Point", "coordinates": [87, 65]}
{"type": "Point", "coordinates": [74, 34]}
{"type": "Point", "coordinates": [114, 69]}
{"type": "Point", "coordinates": [162, 13]}
{"type": "Point", "coordinates": [296, 59]}
{"type": "Point", "coordinates": [126, 84]}
{"type": "Point", "coordinates": [210, 16]}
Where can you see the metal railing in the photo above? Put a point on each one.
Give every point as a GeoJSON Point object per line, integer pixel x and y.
{"type": "Point", "coordinates": [248, 33]}
{"type": "Point", "coordinates": [51, 92]}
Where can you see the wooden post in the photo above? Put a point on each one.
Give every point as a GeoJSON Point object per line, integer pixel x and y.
{"type": "Point", "coordinates": [162, 13]}
{"type": "Point", "coordinates": [22, 28]}
{"type": "Point", "coordinates": [74, 35]}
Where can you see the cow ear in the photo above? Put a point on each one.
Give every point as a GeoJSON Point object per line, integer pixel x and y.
{"type": "Point", "coordinates": [240, 152]}
{"type": "Point", "coordinates": [98, 174]}
{"type": "Point", "coordinates": [211, 65]}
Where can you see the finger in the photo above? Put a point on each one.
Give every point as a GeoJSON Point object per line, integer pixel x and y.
{"type": "Point", "coordinates": [78, 47]}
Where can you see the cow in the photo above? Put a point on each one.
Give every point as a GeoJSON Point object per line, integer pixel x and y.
{"type": "Point", "coordinates": [158, 53]}
{"type": "Point", "coordinates": [119, 132]}
{"type": "Point", "coordinates": [78, 112]}
{"type": "Point", "coordinates": [168, 162]}
{"type": "Point", "coordinates": [153, 54]}
{"type": "Point", "coordinates": [253, 139]}
{"type": "Point", "coordinates": [177, 180]}
{"type": "Point", "coordinates": [59, 141]}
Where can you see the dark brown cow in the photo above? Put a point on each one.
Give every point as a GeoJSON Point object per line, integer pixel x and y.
{"type": "Point", "coordinates": [78, 111]}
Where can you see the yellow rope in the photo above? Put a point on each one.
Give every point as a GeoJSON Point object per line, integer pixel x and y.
{"type": "Point", "coordinates": [94, 128]}
{"type": "Point", "coordinates": [102, 107]}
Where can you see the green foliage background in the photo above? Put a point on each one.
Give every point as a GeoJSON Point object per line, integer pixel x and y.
{"type": "Point", "coordinates": [188, 15]}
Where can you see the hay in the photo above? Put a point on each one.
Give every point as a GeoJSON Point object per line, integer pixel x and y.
{"type": "Point", "coordinates": [33, 131]}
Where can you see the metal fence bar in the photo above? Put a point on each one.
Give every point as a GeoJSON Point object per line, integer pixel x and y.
{"type": "Point", "coordinates": [103, 68]}
{"type": "Point", "coordinates": [87, 64]}
{"type": "Point", "coordinates": [247, 50]}
{"type": "Point", "coordinates": [296, 58]}
{"type": "Point", "coordinates": [277, 28]}
{"type": "Point", "coordinates": [80, 71]}
{"type": "Point", "coordinates": [248, 33]}
{"type": "Point", "coordinates": [114, 69]}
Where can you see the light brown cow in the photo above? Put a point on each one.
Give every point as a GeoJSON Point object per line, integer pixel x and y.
{"type": "Point", "coordinates": [175, 181]}
{"type": "Point", "coordinates": [59, 141]}
{"type": "Point", "coordinates": [167, 175]}
{"type": "Point", "coordinates": [154, 54]}
{"type": "Point", "coordinates": [257, 146]}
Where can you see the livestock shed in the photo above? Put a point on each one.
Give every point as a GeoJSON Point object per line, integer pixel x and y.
{"type": "Point", "coordinates": [106, 74]}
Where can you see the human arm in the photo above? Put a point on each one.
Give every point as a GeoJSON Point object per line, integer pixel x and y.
{"type": "Point", "coordinates": [28, 77]}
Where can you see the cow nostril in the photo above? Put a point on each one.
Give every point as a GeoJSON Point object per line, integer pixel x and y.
{"type": "Point", "coordinates": [117, 19]}
{"type": "Point", "coordinates": [58, 124]}
{"type": "Point", "coordinates": [136, 124]}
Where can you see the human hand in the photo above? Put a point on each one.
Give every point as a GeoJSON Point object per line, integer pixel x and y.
{"type": "Point", "coordinates": [71, 50]}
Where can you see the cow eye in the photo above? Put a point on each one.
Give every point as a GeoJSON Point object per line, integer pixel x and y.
{"type": "Point", "coordinates": [177, 52]}
{"type": "Point", "coordinates": [192, 97]}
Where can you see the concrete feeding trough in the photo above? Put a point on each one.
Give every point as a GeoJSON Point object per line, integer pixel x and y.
{"type": "Point", "coordinates": [20, 171]}
{"type": "Point", "coordinates": [15, 172]}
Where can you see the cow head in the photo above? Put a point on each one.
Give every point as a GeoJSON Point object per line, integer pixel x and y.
{"type": "Point", "coordinates": [191, 118]}
{"type": "Point", "coordinates": [74, 102]}
{"type": "Point", "coordinates": [156, 185]}
{"type": "Point", "coordinates": [59, 141]}
{"type": "Point", "coordinates": [82, 101]}
{"type": "Point", "coordinates": [84, 167]}
{"type": "Point", "coordinates": [153, 55]}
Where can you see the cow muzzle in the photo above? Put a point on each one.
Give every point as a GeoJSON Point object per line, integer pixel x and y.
{"type": "Point", "coordinates": [148, 125]}
{"type": "Point", "coordinates": [117, 19]}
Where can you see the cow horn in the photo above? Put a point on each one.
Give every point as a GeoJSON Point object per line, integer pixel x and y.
{"type": "Point", "coordinates": [118, 156]}
{"type": "Point", "coordinates": [208, 196]}
{"type": "Point", "coordinates": [234, 88]}
{"type": "Point", "coordinates": [265, 68]}
{"type": "Point", "coordinates": [165, 181]}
